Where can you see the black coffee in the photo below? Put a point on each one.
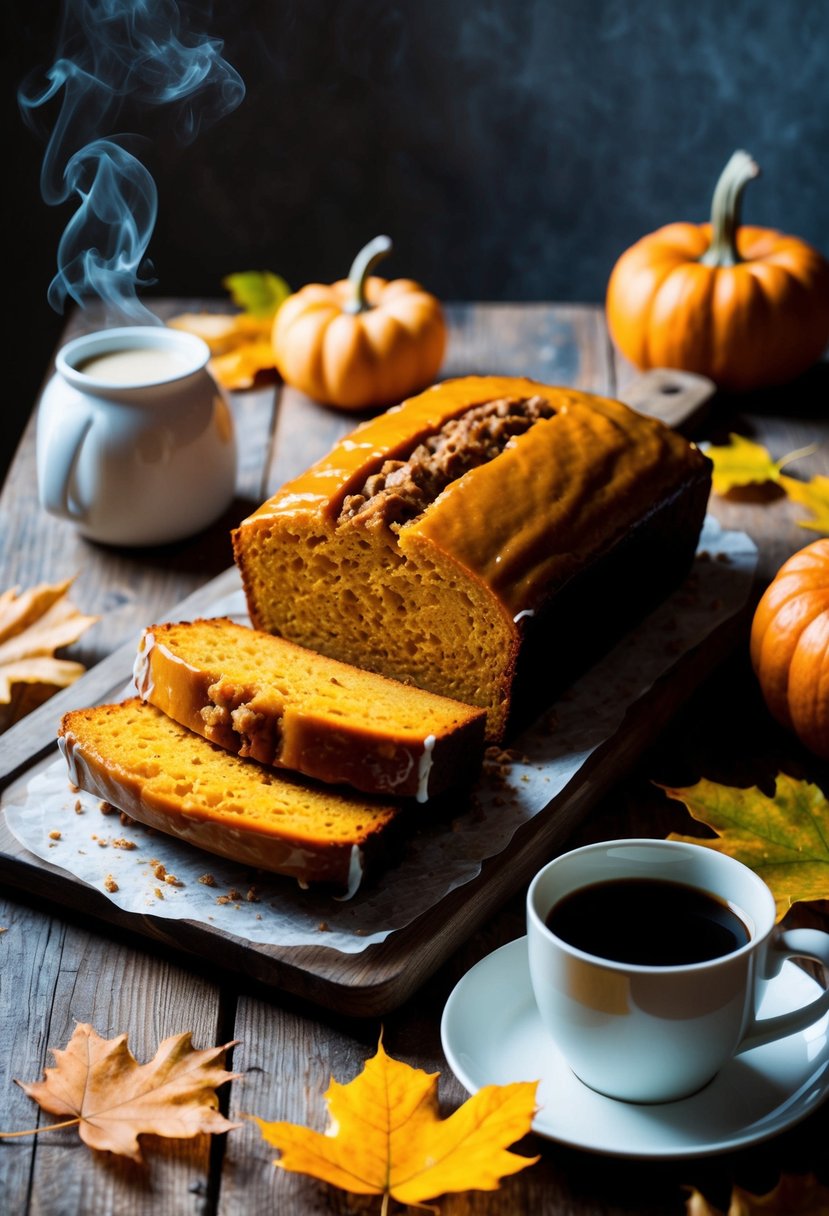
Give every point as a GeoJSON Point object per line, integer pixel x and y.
{"type": "Point", "coordinates": [648, 921]}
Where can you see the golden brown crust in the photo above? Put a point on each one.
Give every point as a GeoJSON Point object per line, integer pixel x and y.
{"type": "Point", "coordinates": [163, 776]}
{"type": "Point", "coordinates": [264, 697]}
{"type": "Point", "coordinates": [459, 581]}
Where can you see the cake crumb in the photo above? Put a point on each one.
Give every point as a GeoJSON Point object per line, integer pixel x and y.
{"type": "Point", "coordinates": [79, 807]}
{"type": "Point", "coordinates": [159, 870]}
{"type": "Point", "coordinates": [126, 820]}
{"type": "Point", "coordinates": [172, 881]}
{"type": "Point", "coordinates": [123, 843]}
{"type": "Point", "coordinates": [252, 897]}
{"type": "Point", "coordinates": [324, 926]}
{"type": "Point", "coordinates": [106, 808]}
{"type": "Point", "coordinates": [54, 835]}
{"type": "Point", "coordinates": [207, 880]}
{"type": "Point", "coordinates": [159, 894]}
{"type": "Point", "coordinates": [110, 884]}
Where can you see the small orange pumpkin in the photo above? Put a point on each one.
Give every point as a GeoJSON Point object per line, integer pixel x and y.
{"type": "Point", "coordinates": [746, 306]}
{"type": "Point", "coordinates": [790, 645]}
{"type": "Point", "coordinates": [363, 341]}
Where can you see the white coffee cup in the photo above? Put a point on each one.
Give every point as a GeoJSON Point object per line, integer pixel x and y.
{"type": "Point", "coordinates": [655, 1033]}
{"type": "Point", "coordinates": [135, 440]}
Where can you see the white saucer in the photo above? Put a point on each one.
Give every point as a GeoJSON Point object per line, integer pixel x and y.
{"type": "Point", "coordinates": [492, 1035]}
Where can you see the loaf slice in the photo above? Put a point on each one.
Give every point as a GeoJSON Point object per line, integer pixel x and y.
{"type": "Point", "coordinates": [160, 773]}
{"type": "Point", "coordinates": [283, 705]}
{"type": "Point", "coordinates": [488, 535]}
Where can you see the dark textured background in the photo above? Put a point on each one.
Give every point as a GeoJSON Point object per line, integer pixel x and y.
{"type": "Point", "coordinates": [511, 149]}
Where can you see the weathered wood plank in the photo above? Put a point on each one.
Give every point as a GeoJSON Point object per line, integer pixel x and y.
{"type": "Point", "coordinates": [54, 975]}
{"type": "Point", "coordinates": [288, 1061]}
{"type": "Point", "coordinates": [566, 344]}
{"type": "Point", "coordinates": [304, 432]}
{"type": "Point", "coordinates": [785, 420]}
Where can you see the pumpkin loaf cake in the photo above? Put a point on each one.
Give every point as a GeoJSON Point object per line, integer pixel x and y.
{"type": "Point", "coordinates": [267, 698]}
{"type": "Point", "coordinates": [482, 538]}
{"type": "Point", "coordinates": [168, 778]}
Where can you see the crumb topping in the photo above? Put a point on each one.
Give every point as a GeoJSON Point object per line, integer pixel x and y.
{"type": "Point", "coordinates": [402, 489]}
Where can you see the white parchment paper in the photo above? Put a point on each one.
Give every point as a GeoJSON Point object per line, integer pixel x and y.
{"type": "Point", "coordinates": [149, 873]}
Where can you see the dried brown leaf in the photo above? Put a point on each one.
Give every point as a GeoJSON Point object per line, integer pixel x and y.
{"type": "Point", "coordinates": [99, 1086]}
{"type": "Point", "coordinates": [794, 1195]}
{"type": "Point", "coordinates": [33, 625]}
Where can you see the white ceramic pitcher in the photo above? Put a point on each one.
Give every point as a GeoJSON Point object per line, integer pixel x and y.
{"type": "Point", "coordinates": [135, 440]}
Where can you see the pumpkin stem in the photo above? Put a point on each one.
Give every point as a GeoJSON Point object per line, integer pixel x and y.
{"type": "Point", "coordinates": [725, 210]}
{"type": "Point", "coordinates": [361, 268]}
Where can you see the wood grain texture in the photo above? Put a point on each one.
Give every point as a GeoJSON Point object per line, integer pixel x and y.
{"type": "Point", "coordinates": [58, 966]}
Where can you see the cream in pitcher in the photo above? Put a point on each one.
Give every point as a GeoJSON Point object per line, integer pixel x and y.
{"type": "Point", "coordinates": [135, 441]}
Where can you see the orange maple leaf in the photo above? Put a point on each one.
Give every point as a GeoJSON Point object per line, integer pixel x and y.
{"type": "Point", "coordinates": [101, 1089]}
{"type": "Point", "coordinates": [782, 838]}
{"type": "Point", "coordinates": [240, 343]}
{"type": "Point", "coordinates": [793, 1196]}
{"type": "Point", "coordinates": [386, 1136]}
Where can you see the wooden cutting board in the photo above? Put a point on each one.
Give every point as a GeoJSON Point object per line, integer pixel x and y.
{"type": "Point", "coordinates": [386, 974]}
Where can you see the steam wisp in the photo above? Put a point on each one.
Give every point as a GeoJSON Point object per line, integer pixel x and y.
{"type": "Point", "coordinates": [118, 59]}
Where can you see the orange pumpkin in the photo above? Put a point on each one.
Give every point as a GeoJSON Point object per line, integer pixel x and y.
{"type": "Point", "coordinates": [363, 341]}
{"type": "Point", "coordinates": [790, 645]}
{"type": "Point", "coordinates": [746, 306]}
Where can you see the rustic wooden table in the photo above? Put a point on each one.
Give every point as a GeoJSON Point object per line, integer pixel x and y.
{"type": "Point", "coordinates": [59, 966]}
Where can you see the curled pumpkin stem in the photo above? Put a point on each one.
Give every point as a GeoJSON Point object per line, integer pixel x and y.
{"type": "Point", "coordinates": [361, 268]}
{"type": "Point", "coordinates": [725, 210]}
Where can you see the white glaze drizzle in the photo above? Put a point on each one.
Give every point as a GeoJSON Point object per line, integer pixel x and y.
{"type": "Point", "coordinates": [355, 874]}
{"type": "Point", "coordinates": [424, 768]}
{"type": "Point", "coordinates": [66, 744]}
{"type": "Point", "coordinates": [190, 828]}
{"type": "Point", "coordinates": [141, 674]}
{"type": "Point", "coordinates": [524, 612]}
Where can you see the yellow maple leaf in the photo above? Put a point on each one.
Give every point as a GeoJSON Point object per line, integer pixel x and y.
{"type": "Point", "coordinates": [100, 1088]}
{"type": "Point", "coordinates": [33, 625]}
{"type": "Point", "coordinates": [813, 494]}
{"type": "Point", "coordinates": [386, 1136]}
{"type": "Point", "coordinates": [742, 462]}
{"type": "Point", "coordinates": [240, 345]}
{"type": "Point", "coordinates": [240, 342]}
{"type": "Point", "coordinates": [782, 838]}
{"type": "Point", "coordinates": [800, 1195]}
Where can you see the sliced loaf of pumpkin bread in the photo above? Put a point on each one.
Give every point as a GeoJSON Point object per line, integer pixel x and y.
{"type": "Point", "coordinates": [267, 698]}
